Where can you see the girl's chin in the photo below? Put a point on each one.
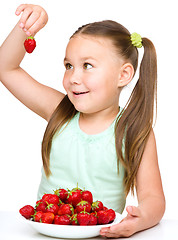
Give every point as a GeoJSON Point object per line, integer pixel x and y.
{"type": "Point", "coordinates": [82, 109]}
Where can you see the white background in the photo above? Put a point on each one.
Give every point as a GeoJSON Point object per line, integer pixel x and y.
{"type": "Point", "coordinates": [21, 131]}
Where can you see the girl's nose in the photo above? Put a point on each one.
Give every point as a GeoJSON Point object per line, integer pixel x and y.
{"type": "Point", "coordinates": [75, 77]}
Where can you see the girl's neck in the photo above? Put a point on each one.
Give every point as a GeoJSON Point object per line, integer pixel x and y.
{"type": "Point", "coordinates": [98, 122]}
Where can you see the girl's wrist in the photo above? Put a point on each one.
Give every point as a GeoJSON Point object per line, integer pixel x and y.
{"type": "Point", "coordinates": [12, 50]}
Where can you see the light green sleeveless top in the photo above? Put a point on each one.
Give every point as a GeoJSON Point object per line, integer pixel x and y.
{"type": "Point", "coordinates": [90, 161]}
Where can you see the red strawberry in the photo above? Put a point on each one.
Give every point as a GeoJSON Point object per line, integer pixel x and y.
{"type": "Point", "coordinates": [112, 215]}
{"type": "Point", "coordinates": [30, 44]}
{"type": "Point", "coordinates": [37, 216]}
{"type": "Point", "coordinates": [97, 206]}
{"type": "Point", "coordinates": [54, 208]}
{"type": "Point", "coordinates": [62, 194]}
{"type": "Point", "coordinates": [83, 205]}
{"type": "Point", "coordinates": [103, 217]}
{"type": "Point", "coordinates": [93, 219]}
{"type": "Point", "coordinates": [50, 198]}
{"type": "Point", "coordinates": [41, 206]}
{"type": "Point", "coordinates": [62, 220]}
{"type": "Point", "coordinates": [66, 209]}
{"type": "Point", "coordinates": [73, 219]}
{"type": "Point", "coordinates": [77, 189]}
{"type": "Point", "coordinates": [47, 218]}
{"type": "Point", "coordinates": [94, 213]}
{"type": "Point", "coordinates": [87, 196]}
{"type": "Point", "coordinates": [74, 197]}
{"type": "Point", "coordinates": [27, 211]}
{"type": "Point", "coordinates": [105, 208]}
{"type": "Point", "coordinates": [83, 218]}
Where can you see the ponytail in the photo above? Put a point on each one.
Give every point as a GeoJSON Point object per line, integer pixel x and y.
{"type": "Point", "coordinates": [133, 127]}
{"type": "Point", "coordinates": [64, 112]}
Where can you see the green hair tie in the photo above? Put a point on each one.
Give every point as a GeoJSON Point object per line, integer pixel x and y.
{"type": "Point", "coordinates": [136, 40]}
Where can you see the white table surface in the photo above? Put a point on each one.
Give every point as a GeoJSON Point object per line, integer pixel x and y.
{"type": "Point", "coordinates": [12, 228]}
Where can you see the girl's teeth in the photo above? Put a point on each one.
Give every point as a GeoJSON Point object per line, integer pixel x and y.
{"type": "Point", "coordinates": [80, 93]}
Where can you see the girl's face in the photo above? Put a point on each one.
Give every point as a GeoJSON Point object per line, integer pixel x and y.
{"type": "Point", "coordinates": [92, 74]}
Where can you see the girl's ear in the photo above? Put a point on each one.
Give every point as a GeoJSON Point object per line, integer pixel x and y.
{"type": "Point", "coordinates": [125, 75]}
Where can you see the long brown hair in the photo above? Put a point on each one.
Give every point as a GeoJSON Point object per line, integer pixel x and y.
{"type": "Point", "coordinates": [134, 124]}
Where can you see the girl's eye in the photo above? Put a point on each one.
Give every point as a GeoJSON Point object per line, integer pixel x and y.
{"type": "Point", "coordinates": [68, 66]}
{"type": "Point", "coordinates": [87, 66]}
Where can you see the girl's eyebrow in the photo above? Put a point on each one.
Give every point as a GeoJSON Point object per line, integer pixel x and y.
{"type": "Point", "coordinates": [65, 59]}
{"type": "Point", "coordinates": [83, 59]}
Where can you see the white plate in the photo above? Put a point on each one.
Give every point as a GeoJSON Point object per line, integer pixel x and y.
{"type": "Point", "coordinates": [70, 231]}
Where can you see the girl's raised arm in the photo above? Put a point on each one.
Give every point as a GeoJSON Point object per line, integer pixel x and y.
{"type": "Point", "coordinates": [39, 98]}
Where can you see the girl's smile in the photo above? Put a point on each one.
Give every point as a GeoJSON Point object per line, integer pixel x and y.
{"type": "Point", "coordinates": [92, 74]}
{"type": "Point", "coordinates": [77, 94]}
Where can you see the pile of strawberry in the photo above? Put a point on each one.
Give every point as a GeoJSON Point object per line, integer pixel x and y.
{"type": "Point", "coordinates": [72, 207]}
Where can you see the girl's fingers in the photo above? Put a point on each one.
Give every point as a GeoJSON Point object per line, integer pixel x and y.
{"type": "Point", "coordinates": [119, 232]}
{"type": "Point", "coordinates": [34, 28]}
{"type": "Point", "coordinates": [126, 227]}
{"type": "Point", "coordinates": [20, 9]}
{"type": "Point", "coordinates": [123, 229]}
{"type": "Point", "coordinates": [24, 18]}
{"type": "Point", "coordinates": [133, 211]}
{"type": "Point", "coordinates": [33, 18]}
{"type": "Point", "coordinates": [32, 24]}
{"type": "Point", "coordinates": [38, 21]}
{"type": "Point", "coordinates": [118, 235]}
{"type": "Point", "coordinates": [112, 235]}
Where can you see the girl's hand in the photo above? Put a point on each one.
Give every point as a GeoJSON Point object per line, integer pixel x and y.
{"type": "Point", "coordinates": [127, 227]}
{"type": "Point", "coordinates": [32, 19]}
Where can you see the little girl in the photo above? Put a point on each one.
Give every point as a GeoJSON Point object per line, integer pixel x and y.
{"type": "Point", "coordinates": [89, 139]}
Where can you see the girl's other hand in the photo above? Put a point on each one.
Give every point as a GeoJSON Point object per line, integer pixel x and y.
{"type": "Point", "coordinates": [127, 227]}
{"type": "Point", "coordinates": [33, 18]}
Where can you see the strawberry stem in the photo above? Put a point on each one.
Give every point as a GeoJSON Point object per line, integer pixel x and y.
{"type": "Point", "coordinates": [30, 37]}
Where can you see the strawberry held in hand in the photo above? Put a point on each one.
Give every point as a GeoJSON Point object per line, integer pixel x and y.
{"type": "Point", "coordinates": [30, 44]}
